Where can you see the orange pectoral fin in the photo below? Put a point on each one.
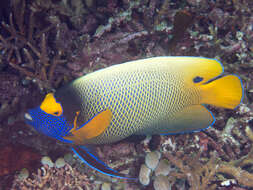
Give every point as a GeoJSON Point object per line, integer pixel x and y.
{"type": "Point", "coordinates": [93, 128]}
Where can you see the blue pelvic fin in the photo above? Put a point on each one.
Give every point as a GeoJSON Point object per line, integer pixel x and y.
{"type": "Point", "coordinates": [92, 161]}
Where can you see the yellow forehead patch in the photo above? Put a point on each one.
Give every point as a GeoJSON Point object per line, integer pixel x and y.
{"type": "Point", "coordinates": [50, 106]}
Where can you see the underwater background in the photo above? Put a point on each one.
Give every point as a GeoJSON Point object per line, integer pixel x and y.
{"type": "Point", "coordinates": [45, 44]}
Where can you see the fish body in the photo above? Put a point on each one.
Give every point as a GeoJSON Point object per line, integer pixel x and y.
{"type": "Point", "coordinates": [160, 95]}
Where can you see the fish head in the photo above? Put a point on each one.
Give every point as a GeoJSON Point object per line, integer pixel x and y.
{"type": "Point", "coordinates": [198, 71]}
{"type": "Point", "coordinates": [205, 81]}
{"type": "Point", "coordinates": [48, 119]}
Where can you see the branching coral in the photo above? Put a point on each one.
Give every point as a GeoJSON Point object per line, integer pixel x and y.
{"type": "Point", "coordinates": [243, 177]}
{"type": "Point", "coordinates": [20, 49]}
{"type": "Point", "coordinates": [198, 175]}
{"type": "Point", "coordinates": [201, 175]}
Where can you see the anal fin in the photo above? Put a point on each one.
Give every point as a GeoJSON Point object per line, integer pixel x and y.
{"type": "Point", "coordinates": [191, 119]}
{"type": "Point", "coordinates": [92, 161]}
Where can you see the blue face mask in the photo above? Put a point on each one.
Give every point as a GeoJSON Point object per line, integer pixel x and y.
{"type": "Point", "coordinates": [48, 124]}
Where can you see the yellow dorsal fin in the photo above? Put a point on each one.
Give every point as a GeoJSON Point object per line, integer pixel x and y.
{"type": "Point", "coordinates": [50, 106]}
{"type": "Point", "coordinates": [92, 129]}
{"type": "Point", "coordinates": [226, 92]}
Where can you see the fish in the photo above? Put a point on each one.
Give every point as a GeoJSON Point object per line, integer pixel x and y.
{"type": "Point", "coordinates": [160, 95]}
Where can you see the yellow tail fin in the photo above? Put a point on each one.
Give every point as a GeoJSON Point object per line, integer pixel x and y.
{"type": "Point", "coordinates": [226, 92]}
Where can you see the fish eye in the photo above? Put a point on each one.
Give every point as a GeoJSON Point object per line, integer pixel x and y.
{"type": "Point", "coordinates": [56, 113]}
{"type": "Point", "coordinates": [197, 79]}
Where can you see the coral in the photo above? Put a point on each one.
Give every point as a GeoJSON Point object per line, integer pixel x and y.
{"type": "Point", "coordinates": [182, 21]}
{"type": "Point", "coordinates": [60, 162]}
{"type": "Point", "coordinates": [11, 93]}
{"type": "Point", "coordinates": [53, 178]}
{"type": "Point", "coordinates": [243, 177]}
{"type": "Point", "coordinates": [161, 182]}
{"type": "Point", "coordinates": [144, 175]}
{"type": "Point", "coordinates": [14, 157]}
{"type": "Point", "coordinates": [45, 160]}
{"type": "Point", "coordinates": [152, 160]}
{"type": "Point", "coordinates": [20, 47]}
{"type": "Point", "coordinates": [110, 155]}
{"type": "Point", "coordinates": [123, 37]}
{"type": "Point", "coordinates": [234, 168]}
{"type": "Point", "coordinates": [201, 174]}
{"type": "Point", "coordinates": [124, 149]}
{"type": "Point", "coordinates": [163, 168]}
{"type": "Point", "coordinates": [198, 175]}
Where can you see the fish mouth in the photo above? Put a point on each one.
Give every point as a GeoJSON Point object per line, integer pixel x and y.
{"type": "Point", "coordinates": [28, 117]}
{"type": "Point", "coordinates": [213, 79]}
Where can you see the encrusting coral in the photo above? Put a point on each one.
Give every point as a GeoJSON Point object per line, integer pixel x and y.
{"type": "Point", "coordinates": [53, 178]}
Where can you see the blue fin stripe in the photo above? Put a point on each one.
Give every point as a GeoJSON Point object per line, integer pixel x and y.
{"type": "Point", "coordinates": [91, 162]}
{"type": "Point", "coordinates": [96, 158]}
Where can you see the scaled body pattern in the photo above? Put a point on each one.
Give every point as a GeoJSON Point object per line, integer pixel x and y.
{"type": "Point", "coordinates": [160, 95]}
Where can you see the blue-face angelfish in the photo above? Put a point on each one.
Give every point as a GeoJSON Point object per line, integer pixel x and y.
{"type": "Point", "coordinates": [160, 95]}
